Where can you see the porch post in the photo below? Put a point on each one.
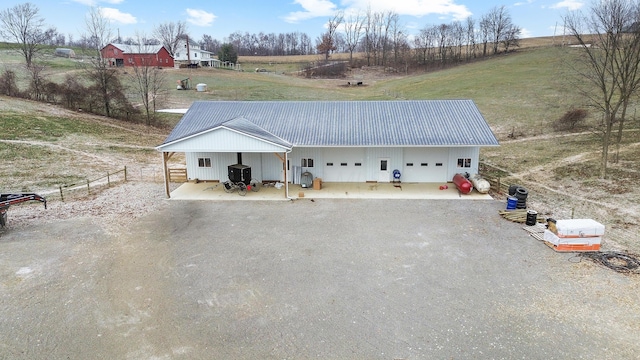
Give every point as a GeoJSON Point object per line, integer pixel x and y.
{"type": "Point", "coordinates": [165, 173]}
{"type": "Point", "coordinates": [286, 182]}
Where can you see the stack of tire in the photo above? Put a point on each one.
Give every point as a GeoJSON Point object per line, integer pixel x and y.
{"type": "Point", "coordinates": [519, 193]}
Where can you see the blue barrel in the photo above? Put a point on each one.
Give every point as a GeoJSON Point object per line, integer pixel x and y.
{"type": "Point", "coordinates": [512, 202]}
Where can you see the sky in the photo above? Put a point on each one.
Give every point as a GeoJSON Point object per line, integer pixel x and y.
{"type": "Point", "coordinates": [221, 18]}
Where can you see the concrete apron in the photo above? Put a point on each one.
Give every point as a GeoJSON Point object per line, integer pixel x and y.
{"type": "Point", "coordinates": [215, 191]}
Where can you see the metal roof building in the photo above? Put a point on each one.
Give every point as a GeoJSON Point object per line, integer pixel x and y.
{"type": "Point", "coordinates": [344, 141]}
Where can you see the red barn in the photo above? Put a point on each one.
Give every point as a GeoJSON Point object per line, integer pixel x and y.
{"type": "Point", "coordinates": [138, 55]}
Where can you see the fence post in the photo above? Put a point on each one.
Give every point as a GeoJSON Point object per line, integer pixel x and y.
{"type": "Point", "coordinates": [61, 195]}
{"type": "Point", "coordinates": [88, 188]}
{"type": "Point", "coordinates": [125, 173]}
{"type": "Point", "coordinates": [108, 181]}
{"type": "Point", "coordinates": [499, 187]}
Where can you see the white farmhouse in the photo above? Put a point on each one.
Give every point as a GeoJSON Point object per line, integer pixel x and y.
{"type": "Point", "coordinates": [188, 52]}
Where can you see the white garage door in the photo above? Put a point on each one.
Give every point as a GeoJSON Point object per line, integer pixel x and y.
{"type": "Point", "coordinates": [425, 165]}
{"type": "Point", "coordinates": [344, 165]}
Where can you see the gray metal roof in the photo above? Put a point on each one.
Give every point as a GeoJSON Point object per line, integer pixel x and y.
{"type": "Point", "coordinates": [344, 123]}
{"type": "Point", "coordinates": [245, 126]}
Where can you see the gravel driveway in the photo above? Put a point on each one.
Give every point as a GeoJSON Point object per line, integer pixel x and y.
{"type": "Point", "coordinates": [327, 279]}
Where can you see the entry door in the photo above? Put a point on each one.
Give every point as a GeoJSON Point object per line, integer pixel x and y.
{"type": "Point", "coordinates": [384, 174]}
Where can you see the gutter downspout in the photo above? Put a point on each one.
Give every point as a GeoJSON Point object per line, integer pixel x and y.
{"type": "Point", "coordinates": [286, 181]}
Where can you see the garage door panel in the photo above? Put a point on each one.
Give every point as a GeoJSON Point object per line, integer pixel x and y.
{"type": "Point", "coordinates": [425, 165]}
{"type": "Point", "coordinates": [344, 165]}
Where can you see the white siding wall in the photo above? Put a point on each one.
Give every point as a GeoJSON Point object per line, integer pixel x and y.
{"type": "Point", "coordinates": [344, 165]}
{"type": "Point", "coordinates": [373, 157]}
{"type": "Point", "coordinates": [316, 154]}
{"type": "Point", "coordinates": [202, 173]}
{"type": "Point", "coordinates": [472, 153]}
{"type": "Point", "coordinates": [255, 161]}
{"type": "Point", "coordinates": [222, 140]}
{"type": "Point", "coordinates": [267, 166]}
{"type": "Point", "coordinates": [272, 168]}
{"type": "Point", "coordinates": [425, 165]}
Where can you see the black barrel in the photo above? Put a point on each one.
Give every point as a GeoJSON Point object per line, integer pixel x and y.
{"type": "Point", "coordinates": [532, 217]}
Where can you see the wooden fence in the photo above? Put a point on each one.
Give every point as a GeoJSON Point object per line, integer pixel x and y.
{"type": "Point", "coordinates": [107, 180]}
{"type": "Point", "coordinates": [177, 175]}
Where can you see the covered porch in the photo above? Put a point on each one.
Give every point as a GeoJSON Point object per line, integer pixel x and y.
{"type": "Point", "coordinates": [215, 191]}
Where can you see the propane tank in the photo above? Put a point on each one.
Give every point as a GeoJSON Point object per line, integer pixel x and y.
{"type": "Point", "coordinates": [462, 183]}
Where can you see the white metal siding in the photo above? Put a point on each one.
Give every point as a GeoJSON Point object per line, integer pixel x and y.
{"type": "Point", "coordinates": [202, 173]}
{"type": "Point", "coordinates": [316, 154]}
{"type": "Point", "coordinates": [343, 168]}
{"type": "Point", "coordinates": [222, 140]}
{"type": "Point", "coordinates": [255, 161]}
{"type": "Point", "coordinates": [272, 168]}
{"type": "Point", "coordinates": [460, 153]}
{"type": "Point", "coordinates": [222, 163]}
{"type": "Point", "coordinates": [425, 164]}
{"type": "Point", "coordinates": [374, 155]}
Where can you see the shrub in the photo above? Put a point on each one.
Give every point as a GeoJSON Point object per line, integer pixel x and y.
{"type": "Point", "coordinates": [570, 120]}
{"type": "Point", "coordinates": [8, 84]}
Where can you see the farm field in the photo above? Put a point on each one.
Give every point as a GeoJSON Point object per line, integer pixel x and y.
{"type": "Point", "coordinates": [520, 95]}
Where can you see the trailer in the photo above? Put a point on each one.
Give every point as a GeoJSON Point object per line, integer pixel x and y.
{"type": "Point", "coordinates": [6, 200]}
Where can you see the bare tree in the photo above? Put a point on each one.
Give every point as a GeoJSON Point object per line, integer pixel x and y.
{"type": "Point", "coordinates": [36, 85]}
{"type": "Point", "coordinates": [170, 34]}
{"type": "Point", "coordinates": [105, 79]}
{"type": "Point", "coordinates": [498, 22]}
{"type": "Point", "coordinates": [210, 44]}
{"type": "Point", "coordinates": [23, 25]}
{"type": "Point", "coordinates": [609, 63]}
{"type": "Point", "coordinates": [398, 38]}
{"type": "Point", "coordinates": [485, 33]}
{"type": "Point", "coordinates": [425, 42]}
{"type": "Point", "coordinates": [147, 78]}
{"type": "Point", "coordinates": [328, 40]}
{"type": "Point", "coordinates": [470, 28]}
{"type": "Point", "coordinates": [353, 32]}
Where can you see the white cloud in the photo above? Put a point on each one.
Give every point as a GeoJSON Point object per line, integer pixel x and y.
{"type": "Point", "coordinates": [417, 8]}
{"type": "Point", "coordinates": [312, 9]}
{"type": "Point", "coordinates": [117, 16]}
{"type": "Point", "coordinates": [568, 4]}
{"type": "Point", "coordinates": [86, 2]}
{"type": "Point", "coordinates": [200, 17]}
{"type": "Point", "coordinates": [524, 33]}
{"type": "Point", "coordinates": [95, 2]}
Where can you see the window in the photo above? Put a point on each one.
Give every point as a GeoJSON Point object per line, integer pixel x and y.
{"type": "Point", "coordinates": [204, 162]}
{"type": "Point", "coordinates": [409, 164]}
{"type": "Point", "coordinates": [383, 165]}
{"type": "Point", "coordinates": [329, 164]}
{"type": "Point", "coordinates": [464, 162]}
{"type": "Point", "coordinates": [306, 162]}
{"type": "Point", "coordinates": [358, 164]}
{"type": "Point", "coordinates": [438, 164]}
{"type": "Point", "coordinates": [424, 164]}
{"type": "Point", "coordinates": [343, 164]}
{"type": "Point", "coordinates": [177, 54]}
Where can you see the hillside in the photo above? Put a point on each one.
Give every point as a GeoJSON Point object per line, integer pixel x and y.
{"type": "Point", "coordinates": [520, 95]}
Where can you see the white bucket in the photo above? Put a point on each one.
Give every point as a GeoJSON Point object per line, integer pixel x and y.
{"type": "Point", "coordinates": [201, 87]}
